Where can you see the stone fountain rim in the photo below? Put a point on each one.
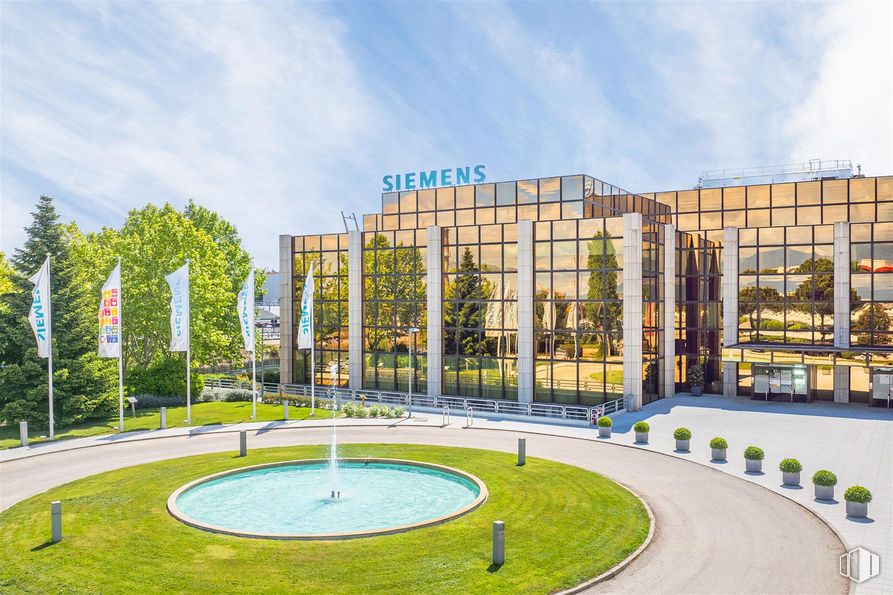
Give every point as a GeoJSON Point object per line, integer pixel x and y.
{"type": "Point", "coordinates": [174, 510]}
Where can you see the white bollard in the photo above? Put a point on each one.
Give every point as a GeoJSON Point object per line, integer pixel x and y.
{"type": "Point", "coordinates": [522, 451]}
{"type": "Point", "coordinates": [498, 543]}
{"type": "Point", "coordinates": [243, 443]}
{"type": "Point", "coordinates": [164, 418]}
{"type": "Point", "coordinates": [23, 432]}
{"type": "Point", "coordinates": [56, 520]}
{"type": "Point", "coordinates": [285, 403]}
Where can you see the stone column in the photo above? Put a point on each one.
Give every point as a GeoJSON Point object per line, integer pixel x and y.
{"type": "Point", "coordinates": [632, 311]}
{"type": "Point", "coordinates": [435, 310]}
{"type": "Point", "coordinates": [729, 307]}
{"type": "Point", "coordinates": [842, 284]}
{"type": "Point", "coordinates": [286, 310]}
{"type": "Point", "coordinates": [841, 384]}
{"type": "Point", "coordinates": [668, 315]}
{"type": "Point", "coordinates": [355, 308]}
{"type": "Point", "coordinates": [525, 312]}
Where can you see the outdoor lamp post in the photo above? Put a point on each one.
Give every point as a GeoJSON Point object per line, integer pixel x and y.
{"type": "Point", "coordinates": [412, 334]}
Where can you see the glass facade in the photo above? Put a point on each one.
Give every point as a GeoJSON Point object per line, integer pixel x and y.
{"type": "Point", "coordinates": [785, 290]}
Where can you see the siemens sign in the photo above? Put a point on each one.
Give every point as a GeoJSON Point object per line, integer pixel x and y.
{"type": "Point", "coordinates": [434, 177]}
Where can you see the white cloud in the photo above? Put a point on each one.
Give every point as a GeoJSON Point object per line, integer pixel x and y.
{"type": "Point", "coordinates": [847, 110]}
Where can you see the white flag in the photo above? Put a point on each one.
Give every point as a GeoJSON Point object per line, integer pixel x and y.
{"type": "Point", "coordinates": [179, 282]}
{"type": "Point", "coordinates": [39, 316]}
{"type": "Point", "coordinates": [246, 311]}
{"type": "Point", "coordinates": [110, 316]}
{"type": "Point", "coordinates": [305, 339]}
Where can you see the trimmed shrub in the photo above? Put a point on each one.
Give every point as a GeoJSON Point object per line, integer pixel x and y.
{"type": "Point", "coordinates": [605, 422]}
{"type": "Point", "coordinates": [695, 378]}
{"type": "Point", "coordinates": [166, 377]}
{"type": "Point", "coordinates": [641, 426]}
{"type": "Point", "coordinates": [399, 411]}
{"type": "Point", "coordinates": [857, 494]}
{"type": "Point", "coordinates": [825, 478]}
{"type": "Point", "coordinates": [754, 453]}
{"type": "Point", "coordinates": [790, 466]}
{"type": "Point", "coordinates": [719, 443]}
{"type": "Point", "coordinates": [682, 434]}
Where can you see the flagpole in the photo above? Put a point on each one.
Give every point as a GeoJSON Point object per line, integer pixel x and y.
{"type": "Point", "coordinates": [188, 350]}
{"type": "Point", "coordinates": [120, 349]}
{"type": "Point", "coordinates": [253, 347]}
{"type": "Point", "coordinates": [312, 361]}
{"type": "Point", "coordinates": [50, 342]}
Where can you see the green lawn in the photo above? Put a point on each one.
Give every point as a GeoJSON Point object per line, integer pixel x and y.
{"type": "Point", "coordinates": [203, 414]}
{"type": "Point", "coordinates": [613, 376]}
{"type": "Point", "coordinates": [564, 525]}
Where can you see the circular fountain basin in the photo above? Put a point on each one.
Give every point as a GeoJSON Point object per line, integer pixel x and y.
{"type": "Point", "coordinates": [293, 499]}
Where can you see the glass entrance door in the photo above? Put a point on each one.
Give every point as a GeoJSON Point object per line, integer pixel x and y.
{"type": "Point", "coordinates": [882, 385]}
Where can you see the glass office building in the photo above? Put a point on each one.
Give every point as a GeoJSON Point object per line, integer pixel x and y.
{"type": "Point", "coordinates": [571, 290]}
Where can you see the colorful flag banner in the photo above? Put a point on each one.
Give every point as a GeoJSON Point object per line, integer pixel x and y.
{"type": "Point", "coordinates": [179, 283]}
{"type": "Point", "coordinates": [39, 315]}
{"type": "Point", "coordinates": [110, 316]}
{"type": "Point", "coordinates": [246, 312]}
{"type": "Point", "coordinates": [305, 335]}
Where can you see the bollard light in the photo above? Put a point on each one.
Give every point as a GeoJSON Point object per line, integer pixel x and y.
{"type": "Point", "coordinates": [286, 409]}
{"type": "Point", "coordinates": [522, 451]}
{"type": "Point", "coordinates": [163, 418]}
{"type": "Point", "coordinates": [498, 543]}
{"type": "Point", "coordinates": [23, 433]}
{"type": "Point", "coordinates": [243, 443]}
{"type": "Point", "coordinates": [56, 520]}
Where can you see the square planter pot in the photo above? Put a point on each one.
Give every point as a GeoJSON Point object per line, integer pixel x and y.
{"type": "Point", "coordinates": [696, 391]}
{"type": "Point", "coordinates": [682, 445]}
{"type": "Point", "coordinates": [604, 432]}
{"type": "Point", "coordinates": [718, 454]}
{"type": "Point", "coordinates": [858, 510]}
{"type": "Point", "coordinates": [824, 492]}
{"type": "Point", "coordinates": [754, 466]}
{"type": "Point", "coordinates": [790, 479]}
{"type": "Point", "coordinates": [642, 437]}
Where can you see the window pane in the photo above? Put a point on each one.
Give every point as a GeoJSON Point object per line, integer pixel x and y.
{"type": "Point", "coordinates": [464, 197]}
{"type": "Point", "coordinates": [527, 192]}
{"type": "Point", "coordinates": [757, 196]}
{"type": "Point", "coordinates": [389, 203]}
{"type": "Point", "coordinates": [711, 199]}
{"type": "Point", "coordinates": [862, 190]}
{"type": "Point", "coordinates": [782, 195]}
{"type": "Point", "coordinates": [834, 214]}
{"type": "Point", "coordinates": [688, 202]}
{"type": "Point", "coordinates": [733, 198]}
{"type": "Point", "coordinates": [834, 191]}
{"type": "Point", "coordinates": [505, 193]}
{"type": "Point", "coordinates": [572, 188]}
{"type": "Point", "coordinates": [426, 200]}
{"type": "Point", "coordinates": [809, 193]}
{"type": "Point", "coordinates": [485, 195]}
{"type": "Point", "coordinates": [550, 190]}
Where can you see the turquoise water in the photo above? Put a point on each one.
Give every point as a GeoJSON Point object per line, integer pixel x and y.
{"type": "Point", "coordinates": [296, 499]}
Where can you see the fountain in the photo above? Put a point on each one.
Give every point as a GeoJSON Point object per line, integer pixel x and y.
{"type": "Point", "coordinates": [333, 449]}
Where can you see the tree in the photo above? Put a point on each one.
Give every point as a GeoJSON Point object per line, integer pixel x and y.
{"type": "Point", "coordinates": [749, 300]}
{"type": "Point", "coordinates": [84, 384]}
{"type": "Point", "coordinates": [873, 318]}
{"type": "Point", "coordinates": [468, 311]}
{"type": "Point", "coordinates": [6, 284]}
{"type": "Point", "coordinates": [818, 290]}
{"type": "Point", "coordinates": [607, 316]}
{"type": "Point", "coordinates": [153, 242]}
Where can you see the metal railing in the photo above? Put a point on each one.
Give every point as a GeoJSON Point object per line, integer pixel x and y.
{"type": "Point", "coordinates": [326, 394]}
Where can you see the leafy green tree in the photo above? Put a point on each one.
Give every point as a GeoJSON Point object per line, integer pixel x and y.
{"type": "Point", "coordinates": [153, 242]}
{"type": "Point", "coordinates": [606, 316]}
{"type": "Point", "coordinates": [84, 384]}
{"type": "Point", "coordinates": [873, 318]}
{"type": "Point", "coordinates": [748, 299]}
{"type": "Point", "coordinates": [6, 284]}
{"type": "Point", "coordinates": [818, 290]}
{"type": "Point", "coordinates": [468, 313]}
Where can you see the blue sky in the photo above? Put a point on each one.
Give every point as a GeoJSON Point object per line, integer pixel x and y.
{"type": "Point", "coordinates": [280, 114]}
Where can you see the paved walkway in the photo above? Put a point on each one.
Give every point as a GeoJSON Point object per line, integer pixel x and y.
{"type": "Point", "coordinates": [714, 533]}
{"type": "Point", "coordinates": [854, 442]}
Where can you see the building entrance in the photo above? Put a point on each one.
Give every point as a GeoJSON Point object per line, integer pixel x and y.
{"type": "Point", "coordinates": [783, 381]}
{"type": "Point", "coordinates": [882, 385]}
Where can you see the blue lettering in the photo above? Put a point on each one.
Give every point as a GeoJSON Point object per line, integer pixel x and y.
{"type": "Point", "coordinates": [463, 175]}
{"type": "Point", "coordinates": [410, 181]}
{"type": "Point", "coordinates": [479, 175]}
{"type": "Point", "coordinates": [387, 183]}
{"type": "Point", "coordinates": [398, 182]}
{"type": "Point", "coordinates": [428, 179]}
{"type": "Point", "coordinates": [446, 176]}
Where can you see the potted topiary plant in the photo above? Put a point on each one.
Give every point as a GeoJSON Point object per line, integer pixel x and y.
{"type": "Point", "coordinates": [753, 457]}
{"type": "Point", "coordinates": [641, 429]}
{"type": "Point", "coordinates": [824, 482]}
{"type": "Point", "coordinates": [604, 426]}
{"type": "Point", "coordinates": [718, 448]}
{"type": "Point", "coordinates": [790, 471]}
{"type": "Point", "coordinates": [682, 436]}
{"type": "Point", "coordinates": [857, 499]}
{"type": "Point", "coordinates": [696, 379]}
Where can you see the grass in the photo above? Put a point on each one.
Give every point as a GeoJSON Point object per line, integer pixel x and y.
{"type": "Point", "coordinates": [613, 376]}
{"type": "Point", "coordinates": [564, 525]}
{"type": "Point", "coordinates": [203, 414]}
